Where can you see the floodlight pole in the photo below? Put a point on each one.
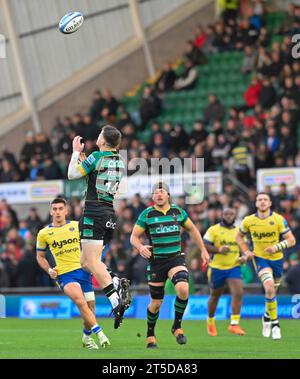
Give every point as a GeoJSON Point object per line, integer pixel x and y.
{"type": "Point", "coordinates": [140, 32]}
{"type": "Point", "coordinates": [17, 57]}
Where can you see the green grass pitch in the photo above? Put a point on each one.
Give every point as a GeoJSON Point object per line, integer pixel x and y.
{"type": "Point", "coordinates": [62, 339]}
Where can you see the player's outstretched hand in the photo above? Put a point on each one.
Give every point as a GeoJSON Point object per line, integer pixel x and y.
{"type": "Point", "coordinates": [270, 249]}
{"type": "Point", "coordinates": [145, 251]}
{"type": "Point", "coordinates": [77, 144]}
{"type": "Point", "coordinates": [52, 273]}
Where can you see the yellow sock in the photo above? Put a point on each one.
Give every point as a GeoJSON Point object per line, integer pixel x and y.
{"type": "Point", "coordinates": [211, 321]}
{"type": "Point", "coordinates": [271, 308]}
{"type": "Point", "coordinates": [235, 319]}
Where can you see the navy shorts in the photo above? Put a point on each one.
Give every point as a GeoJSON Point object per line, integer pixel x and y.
{"type": "Point", "coordinates": [217, 278]}
{"type": "Point", "coordinates": [80, 276]}
{"type": "Point", "coordinates": [276, 266]}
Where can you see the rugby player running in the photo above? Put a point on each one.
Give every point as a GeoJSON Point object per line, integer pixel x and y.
{"type": "Point", "coordinates": [270, 234]}
{"type": "Point", "coordinates": [61, 237]}
{"type": "Point", "coordinates": [162, 224]}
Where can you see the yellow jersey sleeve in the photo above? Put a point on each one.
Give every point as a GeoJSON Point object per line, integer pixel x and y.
{"type": "Point", "coordinates": [283, 226]}
{"type": "Point", "coordinates": [209, 236]}
{"type": "Point", "coordinates": [244, 227]}
{"type": "Point", "coordinates": [41, 244]}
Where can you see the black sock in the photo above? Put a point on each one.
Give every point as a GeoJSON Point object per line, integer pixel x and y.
{"type": "Point", "coordinates": [151, 322]}
{"type": "Point", "coordinates": [180, 306]}
{"type": "Point", "coordinates": [267, 317]}
{"type": "Point", "coordinates": [112, 295]}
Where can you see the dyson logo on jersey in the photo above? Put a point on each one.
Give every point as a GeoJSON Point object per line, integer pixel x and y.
{"type": "Point", "coordinates": [167, 229]}
{"type": "Point", "coordinates": [62, 243]}
{"type": "Point", "coordinates": [263, 235]}
{"type": "Point", "coordinates": [110, 225]}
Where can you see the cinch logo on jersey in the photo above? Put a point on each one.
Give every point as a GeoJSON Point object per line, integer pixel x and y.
{"type": "Point", "coordinates": [111, 225]}
{"type": "Point", "coordinates": [167, 229]}
{"type": "Point", "coordinates": [62, 243]}
{"type": "Point", "coordinates": [163, 230]}
{"type": "Point", "coordinates": [263, 235]}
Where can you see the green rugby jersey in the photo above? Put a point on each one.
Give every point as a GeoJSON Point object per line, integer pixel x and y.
{"type": "Point", "coordinates": [104, 171]}
{"type": "Point", "coordinates": [163, 230]}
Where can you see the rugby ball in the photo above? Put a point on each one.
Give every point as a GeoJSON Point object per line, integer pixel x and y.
{"type": "Point", "coordinates": [71, 22]}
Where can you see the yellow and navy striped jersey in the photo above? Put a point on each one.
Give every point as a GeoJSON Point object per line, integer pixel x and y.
{"type": "Point", "coordinates": [63, 243]}
{"type": "Point", "coordinates": [265, 232]}
{"type": "Point", "coordinates": [219, 235]}
{"type": "Point", "coordinates": [163, 229]}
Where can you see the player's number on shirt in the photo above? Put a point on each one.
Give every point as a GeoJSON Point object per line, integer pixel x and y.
{"type": "Point", "coordinates": [112, 187]}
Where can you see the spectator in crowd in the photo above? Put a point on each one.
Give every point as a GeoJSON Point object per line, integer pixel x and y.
{"type": "Point", "coordinates": [27, 269]}
{"type": "Point", "coordinates": [194, 54]}
{"type": "Point", "coordinates": [166, 80]}
{"type": "Point", "coordinates": [188, 79]}
{"type": "Point", "coordinates": [252, 93]}
{"type": "Point", "coordinates": [241, 163]}
{"type": "Point", "coordinates": [150, 106]}
{"type": "Point", "coordinates": [214, 111]}
{"type": "Point", "coordinates": [23, 171]}
{"type": "Point", "coordinates": [42, 148]}
{"type": "Point", "coordinates": [249, 61]}
{"type": "Point", "coordinates": [110, 102]}
{"type": "Point", "coordinates": [51, 170]}
{"type": "Point", "coordinates": [28, 149]}
{"type": "Point", "coordinates": [198, 134]}
{"type": "Point", "coordinates": [97, 106]}
{"type": "Point", "coordinates": [7, 172]}
{"type": "Point", "coordinates": [35, 170]}
{"type": "Point", "coordinates": [199, 36]}
{"type": "Point", "coordinates": [267, 96]}
{"type": "Point", "coordinates": [34, 221]}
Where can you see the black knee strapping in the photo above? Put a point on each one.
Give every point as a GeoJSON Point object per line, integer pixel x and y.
{"type": "Point", "coordinates": [180, 276]}
{"type": "Point", "coordinates": [157, 293]}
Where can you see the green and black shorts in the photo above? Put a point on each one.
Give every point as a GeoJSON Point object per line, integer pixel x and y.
{"type": "Point", "coordinates": [98, 226]}
{"type": "Point", "coordinates": [158, 269]}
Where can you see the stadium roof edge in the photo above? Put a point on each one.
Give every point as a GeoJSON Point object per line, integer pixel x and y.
{"type": "Point", "coordinates": [88, 72]}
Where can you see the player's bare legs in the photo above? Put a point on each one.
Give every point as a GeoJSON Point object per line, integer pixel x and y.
{"type": "Point", "coordinates": [74, 292]}
{"type": "Point", "coordinates": [270, 320]}
{"type": "Point", "coordinates": [157, 294]}
{"type": "Point", "coordinates": [213, 300]}
{"type": "Point", "coordinates": [179, 277]}
{"type": "Point", "coordinates": [90, 259]}
{"type": "Point", "coordinates": [87, 339]}
{"type": "Point", "coordinates": [236, 290]}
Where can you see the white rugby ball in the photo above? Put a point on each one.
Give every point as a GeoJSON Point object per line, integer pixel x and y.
{"type": "Point", "coordinates": [71, 22]}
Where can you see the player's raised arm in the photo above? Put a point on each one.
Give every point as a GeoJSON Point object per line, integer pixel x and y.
{"type": "Point", "coordinates": [194, 232]}
{"type": "Point", "coordinates": [75, 170]}
{"type": "Point", "coordinates": [144, 250]}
